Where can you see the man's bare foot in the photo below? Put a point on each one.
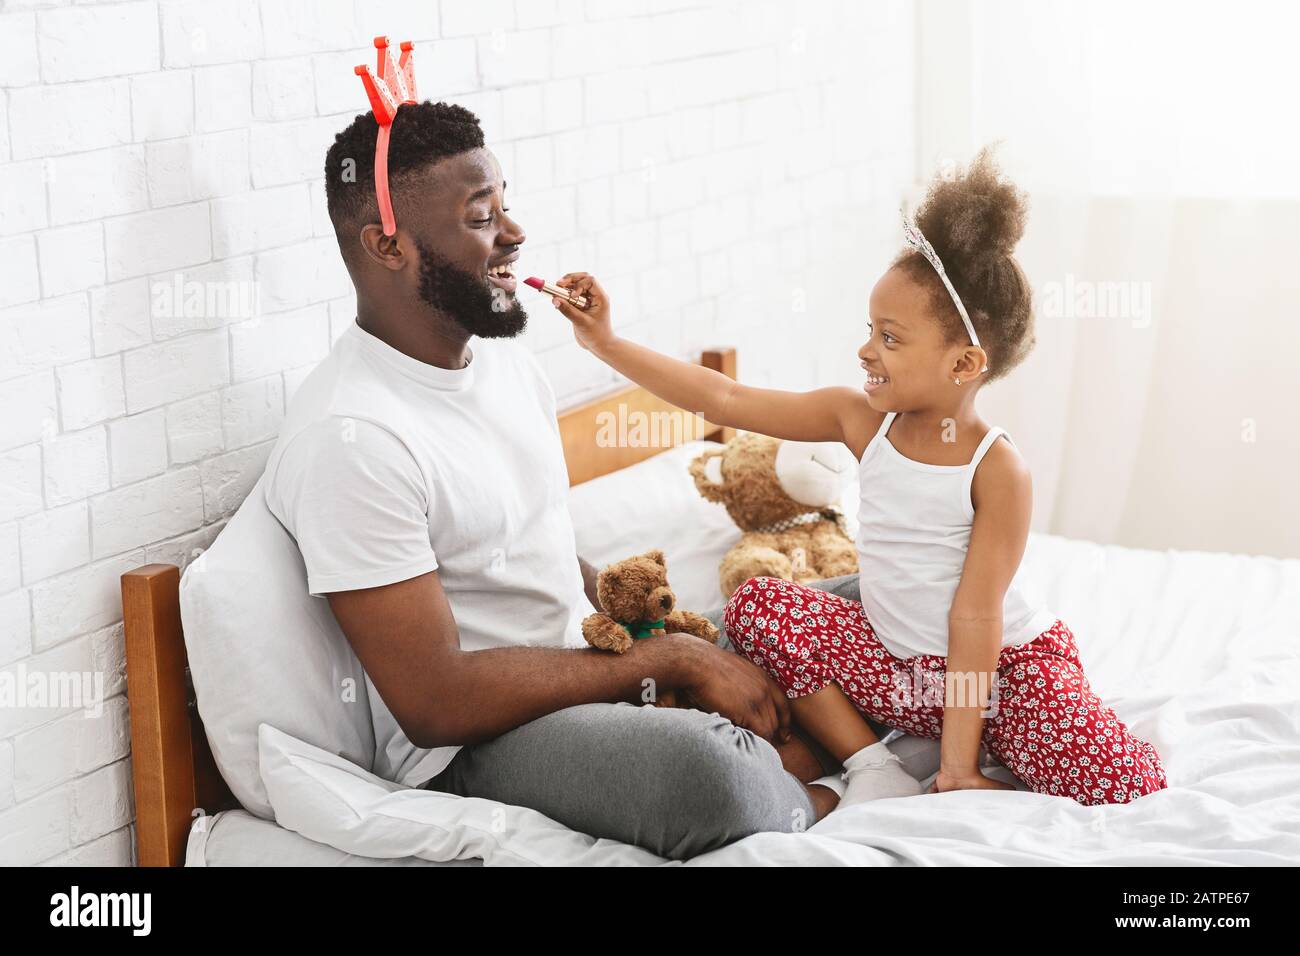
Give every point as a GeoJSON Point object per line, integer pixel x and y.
{"type": "Point", "coordinates": [824, 799]}
{"type": "Point", "coordinates": [797, 757]}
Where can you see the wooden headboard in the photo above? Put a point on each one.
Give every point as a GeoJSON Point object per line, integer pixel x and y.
{"type": "Point", "coordinates": [173, 770]}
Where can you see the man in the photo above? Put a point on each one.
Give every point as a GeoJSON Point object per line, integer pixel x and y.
{"type": "Point", "coordinates": [421, 474]}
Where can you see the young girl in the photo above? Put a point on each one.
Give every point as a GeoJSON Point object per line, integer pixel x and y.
{"type": "Point", "coordinates": [943, 644]}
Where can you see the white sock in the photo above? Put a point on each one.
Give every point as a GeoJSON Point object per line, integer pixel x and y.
{"type": "Point", "coordinates": [873, 773]}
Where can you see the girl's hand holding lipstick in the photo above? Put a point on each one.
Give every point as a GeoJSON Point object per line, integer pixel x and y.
{"type": "Point", "coordinates": [591, 326]}
{"type": "Point", "coordinates": [684, 384]}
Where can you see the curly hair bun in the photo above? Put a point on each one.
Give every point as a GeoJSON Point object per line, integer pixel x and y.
{"type": "Point", "coordinates": [975, 212]}
{"type": "Point", "coordinates": [974, 220]}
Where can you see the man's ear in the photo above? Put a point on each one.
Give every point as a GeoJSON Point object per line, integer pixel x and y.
{"type": "Point", "coordinates": [388, 251]}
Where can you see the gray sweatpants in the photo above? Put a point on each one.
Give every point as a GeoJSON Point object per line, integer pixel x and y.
{"type": "Point", "coordinates": [676, 782]}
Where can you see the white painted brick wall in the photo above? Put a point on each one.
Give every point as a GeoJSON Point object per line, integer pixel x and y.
{"type": "Point", "coordinates": [83, 43]}
{"type": "Point", "coordinates": [30, 409]}
{"type": "Point", "coordinates": [15, 627]}
{"type": "Point", "coordinates": [97, 184]}
{"type": "Point", "coordinates": [137, 447]}
{"type": "Point", "coordinates": [53, 120]}
{"type": "Point", "coordinates": [57, 539]}
{"type": "Point", "coordinates": [10, 560]}
{"type": "Point", "coordinates": [154, 241]}
{"type": "Point", "coordinates": [720, 165]}
{"type": "Point", "coordinates": [20, 279]}
{"type": "Point", "coordinates": [22, 195]}
{"type": "Point", "coordinates": [20, 477]}
{"type": "Point", "coordinates": [91, 391]}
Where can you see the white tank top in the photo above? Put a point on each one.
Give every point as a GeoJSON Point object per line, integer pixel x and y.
{"type": "Point", "coordinates": [914, 524]}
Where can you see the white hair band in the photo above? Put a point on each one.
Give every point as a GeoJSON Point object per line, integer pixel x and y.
{"type": "Point", "coordinates": [916, 239]}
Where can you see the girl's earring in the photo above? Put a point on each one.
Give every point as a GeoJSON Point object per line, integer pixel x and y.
{"type": "Point", "coordinates": [956, 381]}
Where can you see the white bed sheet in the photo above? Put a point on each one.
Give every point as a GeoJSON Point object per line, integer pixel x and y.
{"type": "Point", "coordinates": [1198, 653]}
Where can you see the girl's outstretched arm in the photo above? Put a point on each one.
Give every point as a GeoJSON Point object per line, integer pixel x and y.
{"type": "Point", "coordinates": [826, 414]}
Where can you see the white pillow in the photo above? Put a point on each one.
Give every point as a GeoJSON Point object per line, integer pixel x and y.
{"type": "Point", "coordinates": [331, 800]}
{"type": "Point", "coordinates": [261, 649]}
{"type": "Point", "coordinates": [654, 504]}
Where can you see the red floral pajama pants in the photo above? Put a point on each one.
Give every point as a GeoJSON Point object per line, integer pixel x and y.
{"type": "Point", "coordinates": [1047, 726]}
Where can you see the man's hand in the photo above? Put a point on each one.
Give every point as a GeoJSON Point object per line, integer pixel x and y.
{"type": "Point", "coordinates": [722, 682]}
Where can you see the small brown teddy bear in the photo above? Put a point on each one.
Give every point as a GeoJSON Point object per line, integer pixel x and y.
{"type": "Point", "coordinates": [783, 495]}
{"type": "Point", "coordinates": [637, 602]}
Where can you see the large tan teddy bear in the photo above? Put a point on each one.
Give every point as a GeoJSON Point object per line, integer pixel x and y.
{"type": "Point", "coordinates": [637, 602]}
{"type": "Point", "coordinates": [784, 495]}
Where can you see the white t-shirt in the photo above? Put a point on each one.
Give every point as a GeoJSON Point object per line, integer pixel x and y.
{"type": "Point", "coordinates": [387, 468]}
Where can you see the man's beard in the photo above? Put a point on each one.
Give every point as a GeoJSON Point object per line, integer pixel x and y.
{"type": "Point", "coordinates": [476, 306]}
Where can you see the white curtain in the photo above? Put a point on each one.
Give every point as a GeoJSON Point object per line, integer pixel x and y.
{"type": "Point", "coordinates": [1160, 155]}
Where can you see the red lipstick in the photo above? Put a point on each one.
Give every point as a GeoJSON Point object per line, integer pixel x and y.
{"type": "Point", "coordinates": [541, 285]}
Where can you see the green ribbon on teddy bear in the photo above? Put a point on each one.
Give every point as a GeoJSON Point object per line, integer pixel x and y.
{"type": "Point", "coordinates": [643, 628]}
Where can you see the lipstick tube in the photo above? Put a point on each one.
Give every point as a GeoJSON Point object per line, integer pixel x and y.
{"type": "Point", "coordinates": [541, 285]}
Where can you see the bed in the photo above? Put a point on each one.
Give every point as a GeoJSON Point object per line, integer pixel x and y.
{"type": "Point", "coordinates": [1197, 652]}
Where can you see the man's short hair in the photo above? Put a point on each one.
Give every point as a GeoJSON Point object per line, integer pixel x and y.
{"type": "Point", "coordinates": [422, 134]}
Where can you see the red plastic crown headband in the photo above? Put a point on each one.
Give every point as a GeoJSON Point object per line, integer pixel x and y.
{"type": "Point", "coordinates": [389, 86]}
